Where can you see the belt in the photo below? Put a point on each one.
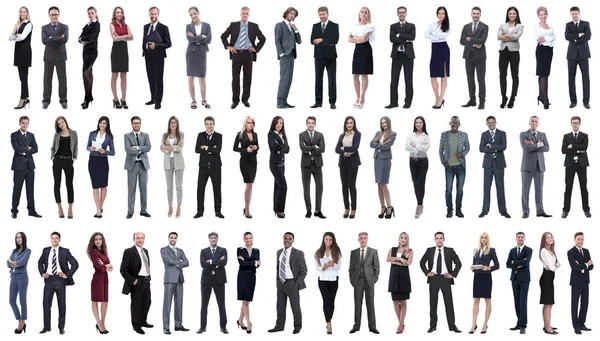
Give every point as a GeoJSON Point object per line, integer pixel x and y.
{"type": "Point", "coordinates": [243, 51]}
{"type": "Point", "coordinates": [146, 277]}
{"type": "Point", "coordinates": [63, 157]}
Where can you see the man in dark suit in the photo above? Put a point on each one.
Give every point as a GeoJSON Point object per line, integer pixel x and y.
{"type": "Point", "coordinates": [55, 35]}
{"type": "Point", "coordinates": [208, 145]}
{"type": "Point", "coordinates": [174, 260]}
{"type": "Point", "coordinates": [577, 33]}
{"type": "Point", "coordinates": [312, 145]}
{"type": "Point", "coordinates": [291, 271]}
{"type": "Point", "coordinates": [533, 166]}
{"type": "Point", "coordinates": [242, 51]}
{"type": "Point", "coordinates": [581, 264]}
{"type": "Point", "coordinates": [441, 265]}
{"type": "Point", "coordinates": [364, 273]}
{"type": "Point", "coordinates": [286, 38]}
{"type": "Point", "coordinates": [213, 260]}
{"type": "Point", "coordinates": [137, 146]}
{"type": "Point", "coordinates": [24, 146]}
{"type": "Point", "coordinates": [135, 269]}
{"type": "Point", "coordinates": [324, 36]}
{"type": "Point", "coordinates": [492, 145]}
{"type": "Point", "coordinates": [574, 146]}
{"type": "Point", "coordinates": [473, 38]}
{"type": "Point", "coordinates": [156, 41]}
{"type": "Point", "coordinates": [518, 262]}
{"type": "Point", "coordinates": [402, 35]}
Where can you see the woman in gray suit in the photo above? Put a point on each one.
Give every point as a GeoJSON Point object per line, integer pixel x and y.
{"type": "Point", "coordinates": [63, 155]}
{"type": "Point", "coordinates": [382, 143]}
{"type": "Point", "coordinates": [198, 36]}
{"type": "Point", "coordinates": [509, 34]}
{"type": "Point", "coordinates": [171, 145]}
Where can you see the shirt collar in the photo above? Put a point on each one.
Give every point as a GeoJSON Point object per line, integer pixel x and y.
{"type": "Point", "coordinates": [577, 22]}
{"type": "Point", "coordinates": [139, 249]}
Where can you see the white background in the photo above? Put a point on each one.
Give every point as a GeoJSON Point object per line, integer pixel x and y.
{"type": "Point", "coordinates": [461, 234]}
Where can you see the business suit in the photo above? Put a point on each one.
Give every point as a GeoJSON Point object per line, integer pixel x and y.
{"type": "Point", "coordinates": [19, 281]}
{"type": "Point", "coordinates": [533, 167]}
{"type": "Point", "coordinates": [246, 280]}
{"type": "Point", "coordinates": [174, 261]}
{"type": "Point", "coordinates": [137, 165]}
{"type": "Point", "coordinates": [63, 159]}
{"type": "Point", "coordinates": [475, 58]}
{"type": "Point", "coordinates": [482, 280]}
{"type": "Point", "coordinates": [174, 166]}
{"type": "Point", "coordinates": [580, 284]}
{"type": "Point", "coordinates": [278, 145]}
{"type": "Point", "coordinates": [140, 294]}
{"type": "Point", "coordinates": [55, 55]}
{"type": "Point", "coordinates": [518, 262]}
{"type": "Point", "coordinates": [348, 163]}
{"type": "Point", "coordinates": [248, 161]}
{"type": "Point", "coordinates": [402, 35]}
{"type": "Point", "coordinates": [578, 53]}
{"type": "Point", "coordinates": [89, 39]}
{"type": "Point", "coordinates": [454, 170]}
{"type": "Point", "coordinates": [98, 163]}
{"type": "Point", "coordinates": [509, 54]}
{"type": "Point", "coordinates": [56, 284]}
{"type": "Point", "coordinates": [243, 58]}
{"type": "Point", "coordinates": [493, 145]}
{"type": "Point", "coordinates": [325, 58]}
{"type": "Point", "coordinates": [210, 167]}
{"type": "Point", "coordinates": [213, 279]}
{"type": "Point", "coordinates": [311, 163]}
{"type": "Point", "coordinates": [364, 273]}
{"type": "Point", "coordinates": [24, 168]}
{"type": "Point", "coordinates": [285, 44]}
{"type": "Point", "coordinates": [382, 154]}
{"type": "Point", "coordinates": [576, 162]}
{"type": "Point", "coordinates": [290, 288]}
{"type": "Point", "coordinates": [195, 55]}
{"type": "Point", "coordinates": [158, 34]}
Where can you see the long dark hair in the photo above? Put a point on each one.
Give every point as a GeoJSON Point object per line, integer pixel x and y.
{"type": "Point", "coordinates": [23, 246]}
{"type": "Point", "coordinates": [336, 254]}
{"type": "Point", "coordinates": [177, 132]}
{"type": "Point", "coordinates": [354, 129]}
{"type": "Point", "coordinates": [92, 246]}
{"type": "Point", "coordinates": [104, 118]}
{"type": "Point", "coordinates": [58, 130]}
{"type": "Point", "coordinates": [424, 125]}
{"type": "Point", "coordinates": [518, 19]}
{"type": "Point", "coordinates": [446, 23]}
{"type": "Point", "coordinates": [274, 123]}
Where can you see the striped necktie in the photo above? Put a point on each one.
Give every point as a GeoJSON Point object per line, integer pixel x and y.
{"type": "Point", "coordinates": [54, 264]}
{"type": "Point", "coordinates": [282, 276]}
{"type": "Point", "coordinates": [242, 37]}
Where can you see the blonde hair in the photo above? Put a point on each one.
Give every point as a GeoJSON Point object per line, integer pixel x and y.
{"type": "Point", "coordinates": [407, 249]}
{"type": "Point", "coordinates": [19, 22]}
{"type": "Point", "coordinates": [541, 9]}
{"type": "Point", "coordinates": [244, 124]}
{"type": "Point", "coordinates": [368, 14]}
{"type": "Point", "coordinates": [487, 247]}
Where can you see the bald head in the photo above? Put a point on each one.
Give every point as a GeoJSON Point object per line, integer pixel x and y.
{"type": "Point", "coordinates": [139, 238]}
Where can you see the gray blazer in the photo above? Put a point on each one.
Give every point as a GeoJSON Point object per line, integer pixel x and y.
{"type": "Point", "coordinates": [286, 39]}
{"type": "Point", "coordinates": [195, 42]}
{"type": "Point", "coordinates": [74, 144]}
{"type": "Point", "coordinates": [515, 33]}
{"type": "Point", "coordinates": [298, 266]}
{"type": "Point", "coordinates": [371, 266]}
{"type": "Point", "coordinates": [55, 50]}
{"type": "Point", "coordinates": [173, 264]}
{"type": "Point", "coordinates": [132, 154]}
{"type": "Point", "coordinates": [177, 155]}
{"type": "Point", "coordinates": [309, 149]}
{"type": "Point", "coordinates": [532, 153]}
{"type": "Point", "coordinates": [383, 150]}
{"type": "Point", "coordinates": [477, 37]}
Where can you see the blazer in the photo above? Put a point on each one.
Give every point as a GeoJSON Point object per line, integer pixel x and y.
{"type": "Point", "coordinates": [142, 151]}
{"type": "Point", "coordinates": [497, 146]}
{"type": "Point", "coordinates": [298, 266]}
{"type": "Point", "coordinates": [68, 263]}
{"type": "Point", "coordinates": [286, 39]}
{"type": "Point", "coordinates": [55, 50]}
{"type": "Point", "coordinates": [23, 156]}
{"type": "Point", "coordinates": [131, 266]}
{"type": "Point", "coordinates": [21, 259]}
{"type": "Point", "coordinates": [216, 266]}
{"type": "Point", "coordinates": [331, 36]}
{"type": "Point", "coordinates": [278, 147]}
{"type": "Point", "coordinates": [242, 143]}
{"type": "Point", "coordinates": [174, 264]}
{"type": "Point", "coordinates": [249, 262]}
{"type": "Point", "coordinates": [309, 148]}
{"type": "Point", "coordinates": [515, 33]}
{"type": "Point", "coordinates": [354, 158]}
{"type": "Point", "coordinates": [196, 42]}
{"type": "Point", "coordinates": [450, 257]}
{"type": "Point", "coordinates": [463, 146]}
{"type": "Point", "coordinates": [383, 150]}
{"type": "Point", "coordinates": [370, 266]}
{"type": "Point", "coordinates": [532, 154]}
{"type": "Point", "coordinates": [177, 152]}
{"type": "Point", "coordinates": [401, 36]}
{"type": "Point", "coordinates": [578, 44]}
{"type": "Point", "coordinates": [74, 144]}
{"type": "Point", "coordinates": [160, 36]}
{"type": "Point", "coordinates": [234, 31]}
{"type": "Point", "coordinates": [580, 272]}
{"type": "Point", "coordinates": [210, 157]}
{"type": "Point", "coordinates": [478, 37]}
{"type": "Point", "coordinates": [581, 144]}
{"type": "Point", "coordinates": [486, 260]}
{"type": "Point", "coordinates": [89, 35]}
{"type": "Point", "coordinates": [108, 145]}
{"type": "Point", "coordinates": [519, 265]}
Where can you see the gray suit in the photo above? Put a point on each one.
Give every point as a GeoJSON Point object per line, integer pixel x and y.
{"type": "Point", "coordinates": [55, 55]}
{"type": "Point", "coordinates": [533, 167]}
{"type": "Point", "coordinates": [174, 264]}
{"type": "Point", "coordinates": [475, 57]}
{"type": "Point", "coordinates": [285, 43]}
{"type": "Point", "coordinates": [290, 288]}
{"type": "Point", "coordinates": [137, 165]}
{"type": "Point", "coordinates": [363, 276]}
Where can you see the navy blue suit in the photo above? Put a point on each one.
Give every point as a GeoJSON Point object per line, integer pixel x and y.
{"type": "Point", "coordinates": [580, 284]}
{"type": "Point", "coordinates": [520, 277]}
{"type": "Point", "coordinates": [24, 168]}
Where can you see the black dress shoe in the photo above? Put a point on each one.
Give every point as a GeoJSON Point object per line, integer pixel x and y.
{"type": "Point", "coordinates": [525, 215]}
{"type": "Point", "coordinates": [157, 106]}
{"type": "Point", "coordinates": [234, 105]}
{"type": "Point", "coordinates": [147, 325]}
{"type": "Point", "coordinates": [564, 215]}
{"type": "Point", "coordinates": [481, 106]}
{"type": "Point", "coordinates": [482, 214]}
{"type": "Point", "coordinates": [224, 330]}
{"type": "Point", "coordinates": [391, 105]}
{"type": "Point", "coordinates": [505, 215]}
{"type": "Point", "coordinates": [572, 105]}
{"type": "Point", "coordinates": [296, 331]}
{"type": "Point", "coordinates": [139, 331]}
{"type": "Point", "coordinates": [456, 330]}
{"type": "Point", "coordinates": [449, 214]}
{"type": "Point", "coordinates": [219, 215]}
{"type": "Point", "coordinates": [460, 214]}
{"type": "Point", "coordinates": [13, 215]}
{"type": "Point", "coordinates": [332, 106]}
{"type": "Point", "coordinates": [374, 331]}
{"type": "Point", "coordinates": [354, 330]}
{"type": "Point", "coordinates": [553, 332]}
{"type": "Point", "coordinates": [470, 103]}
{"type": "Point", "coordinates": [147, 215]}
{"type": "Point", "coordinates": [587, 106]}
{"type": "Point", "coordinates": [45, 330]}
{"type": "Point", "coordinates": [34, 214]}
{"type": "Point", "coordinates": [181, 329]}
{"type": "Point", "coordinates": [45, 105]}
{"type": "Point", "coordinates": [406, 106]}
{"type": "Point", "coordinates": [129, 215]}
{"type": "Point", "coordinates": [282, 106]}
{"type": "Point", "coordinates": [199, 215]}
{"type": "Point", "coordinates": [246, 104]}
{"type": "Point", "coordinates": [515, 328]}
{"type": "Point", "coordinates": [289, 105]}
{"type": "Point", "coordinates": [587, 215]}
{"type": "Point", "coordinates": [61, 331]}
{"type": "Point", "coordinates": [280, 215]}
{"type": "Point", "coordinates": [201, 330]}
{"type": "Point", "coordinates": [522, 331]}
{"type": "Point", "coordinates": [166, 331]}
{"type": "Point", "coordinates": [585, 329]}
{"type": "Point", "coordinates": [150, 102]}
{"type": "Point", "coordinates": [64, 105]}
{"type": "Point", "coordinates": [577, 331]}
{"type": "Point", "coordinates": [316, 105]}
{"type": "Point", "coordinates": [275, 330]}
{"type": "Point", "coordinates": [320, 215]}
{"type": "Point", "coordinates": [431, 329]}
{"type": "Point", "coordinates": [544, 215]}
{"type": "Point", "coordinates": [308, 214]}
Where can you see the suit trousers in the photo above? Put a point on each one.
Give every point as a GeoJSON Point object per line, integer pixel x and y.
{"type": "Point", "coordinates": [348, 176]}
{"type": "Point", "coordinates": [279, 187]}
{"type": "Point", "coordinates": [206, 291]}
{"type": "Point", "coordinates": [178, 174]}
{"type": "Point", "coordinates": [581, 172]}
{"type": "Point", "coordinates": [437, 283]}
{"type": "Point", "coordinates": [286, 290]}
{"type": "Point", "coordinates": [140, 302]}
{"type": "Point", "coordinates": [538, 180]}
{"type": "Point", "coordinates": [286, 74]}
{"type": "Point", "coordinates": [418, 173]}
{"type": "Point", "coordinates": [317, 173]}
{"type": "Point", "coordinates": [23, 77]}
{"type": "Point", "coordinates": [155, 69]}
{"type": "Point", "coordinates": [58, 166]}
{"type": "Point", "coordinates": [513, 58]}
{"type": "Point", "coordinates": [361, 289]}
{"type": "Point", "coordinates": [18, 286]}
{"type": "Point", "coordinates": [490, 174]}
{"type": "Point", "coordinates": [400, 61]}
{"type": "Point", "coordinates": [472, 66]}
{"type": "Point", "coordinates": [520, 291]}
{"type": "Point", "coordinates": [584, 67]}
{"type": "Point", "coordinates": [578, 316]}
{"type": "Point", "coordinates": [215, 178]}
{"type": "Point", "coordinates": [328, 291]}
{"type": "Point", "coordinates": [320, 65]}
{"type": "Point", "coordinates": [173, 290]}
{"type": "Point", "coordinates": [61, 72]}
{"type": "Point", "coordinates": [241, 60]}
{"type": "Point", "coordinates": [459, 172]}
{"type": "Point", "coordinates": [138, 172]}
{"type": "Point", "coordinates": [89, 57]}
{"type": "Point", "coordinates": [27, 176]}
{"type": "Point", "coordinates": [55, 285]}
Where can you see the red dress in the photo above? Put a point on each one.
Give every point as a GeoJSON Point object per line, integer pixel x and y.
{"type": "Point", "coordinates": [100, 278]}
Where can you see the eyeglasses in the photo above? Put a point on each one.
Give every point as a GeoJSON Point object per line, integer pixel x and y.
{"type": "Point", "coordinates": [54, 15]}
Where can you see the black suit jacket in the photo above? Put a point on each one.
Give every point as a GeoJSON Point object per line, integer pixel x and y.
{"type": "Point", "coordinates": [23, 156]}
{"type": "Point", "coordinates": [160, 37]}
{"type": "Point", "coordinates": [404, 34]}
{"type": "Point", "coordinates": [519, 265]}
{"type": "Point", "coordinates": [248, 264]}
{"type": "Point", "coordinates": [68, 263]}
{"type": "Point", "coordinates": [486, 260]}
{"type": "Point", "coordinates": [577, 43]}
{"type": "Point", "coordinates": [89, 35]}
{"type": "Point", "coordinates": [581, 144]}
{"type": "Point", "coordinates": [309, 149]}
{"type": "Point", "coordinates": [496, 147]}
{"type": "Point", "coordinates": [331, 36]}
{"type": "Point", "coordinates": [131, 266]}
{"type": "Point", "coordinates": [234, 31]}
{"type": "Point", "coordinates": [210, 157]}
{"type": "Point", "coordinates": [278, 147]}
{"type": "Point", "coordinates": [477, 37]}
{"type": "Point", "coordinates": [580, 272]}
{"type": "Point", "coordinates": [216, 265]}
{"type": "Point", "coordinates": [450, 257]}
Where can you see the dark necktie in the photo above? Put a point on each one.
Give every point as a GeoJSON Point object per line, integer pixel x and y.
{"type": "Point", "coordinates": [54, 264]}
{"type": "Point", "coordinates": [282, 276]}
{"type": "Point", "coordinates": [24, 136]}
{"type": "Point", "coordinates": [518, 252]}
{"type": "Point", "coordinates": [474, 27]}
{"type": "Point", "coordinates": [213, 253]}
{"type": "Point", "coordinates": [137, 138]}
{"type": "Point", "coordinates": [535, 137]}
{"type": "Point", "coordinates": [54, 28]}
{"type": "Point", "coordinates": [362, 256]}
{"type": "Point", "coordinates": [493, 140]}
{"type": "Point", "coordinates": [311, 136]}
{"type": "Point", "coordinates": [146, 262]}
{"type": "Point", "coordinates": [577, 27]}
{"type": "Point", "coordinates": [576, 136]}
{"type": "Point", "coordinates": [439, 262]}
{"type": "Point", "coordinates": [323, 28]}
{"type": "Point", "coordinates": [581, 251]}
{"type": "Point", "coordinates": [209, 137]}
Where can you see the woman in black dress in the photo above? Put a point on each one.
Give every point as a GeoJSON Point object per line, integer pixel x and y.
{"type": "Point", "coordinates": [249, 259]}
{"type": "Point", "coordinates": [550, 264]}
{"type": "Point", "coordinates": [483, 256]}
{"type": "Point", "coordinates": [21, 35]}
{"type": "Point", "coordinates": [543, 55]}
{"type": "Point", "coordinates": [278, 145]}
{"type": "Point", "coordinates": [246, 143]}
{"type": "Point", "coordinates": [400, 258]}
{"type": "Point", "coordinates": [362, 35]}
{"type": "Point", "coordinates": [89, 39]}
{"type": "Point", "coordinates": [119, 57]}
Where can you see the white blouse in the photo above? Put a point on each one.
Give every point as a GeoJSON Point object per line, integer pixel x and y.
{"type": "Point", "coordinates": [361, 30]}
{"type": "Point", "coordinates": [422, 145]}
{"type": "Point", "coordinates": [547, 34]}
{"type": "Point", "coordinates": [23, 35]}
{"type": "Point", "coordinates": [330, 274]}
{"type": "Point", "coordinates": [171, 143]}
{"type": "Point", "coordinates": [435, 34]}
{"type": "Point", "coordinates": [549, 260]}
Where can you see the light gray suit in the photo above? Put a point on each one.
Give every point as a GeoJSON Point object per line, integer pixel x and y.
{"type": "Point", "coordinates": [137, 165]}
{"type": "Point", "coordinates": [533, 167]}
{"type": "Point", "coordinates": [363, 276]}
{"type": "Point", "coordinates": [174, 264]}
{"type": "Point", "coordinates": [285, 43]}
{"type": "Point", "coordinates": [173, 167]}
{"type": "Point", "coordinates": [55, 55]}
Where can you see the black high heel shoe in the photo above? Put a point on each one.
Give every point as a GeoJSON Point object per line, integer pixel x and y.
{"type": "Point", "coordinates": [441, 105]}
{"type": "Point", "coordinates": [116, 104]}
{"type": "Point", "coordinates": [249, 328]}
{"type": "Point", "coordinates": [101, 331]}
{"type": "Point", "coordinates": [246, 215]}
{"type": "Point", "coordinates": [241, 325]}
{"type": "Point", "coordinates": [503, 104]}
{"type": "Point", "coordinates": [484, 331]}
{"type": "Point", "coordinates": [86, 103]}
{"type": "Point", "coordinates": [124, 104]}
{"type": "Point", "coordinates": [25, 103]}
{"type": "Point", "coordinates": [346, 214]}
{"type": "Point", "coordinates": [511, 102]}
{"type": "Point", "coordinates": [352, 215]}
{"type": "Point", "coordinates": [473, 331]}
{"type": "Point", "coordinates": [280, 215]}
{"type": "Point", "coordinates": [19, 331]}
{"type": "Point", "coordinates": [382, 214]}
{"type": "Point", "coordinates": [389, 216]}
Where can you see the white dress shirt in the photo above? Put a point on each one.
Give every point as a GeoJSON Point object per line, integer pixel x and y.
{"type": "Point", "coordinates": [549, 260]}
{"type": "Point", "coordinates": [288, 269]}
{"type": "Point", "coordinates": [435, 257]}
{"type": "Point", "coordinates": [143, 271]}
{"type": "Point", "coordinates": [49, 269]}
{"type": "Point", "coordinates": [421, 143]}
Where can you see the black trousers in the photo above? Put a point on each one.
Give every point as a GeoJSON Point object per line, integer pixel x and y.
{"type": "Point", "coordinates": [23, 77]}
{"type": "Point", "coordinates": [328, 291]}
{"type": "Point", "coordinates": [241, 60]}
{"type": "Point", "coordinates": [584, 67]}
{"type": "Point", "coordinates": [348, 176]}
{"type": "Point", "coordinates": [320, 65]}
{"type": "Point", "coordinates": [140, 302]}
{"type": "Point", "coordinates": [437, 283]}
{"type": "Point", "coordinates": [317, 173]}
{"type": "Point", "coordinates": [155, 68]}
{"type": "Point", "coordinates": [397, 64]}
{"type": "Point", "coordinates": [55, 285]}
{"type": "Point", "coordinates": [206, 291]}
{"type": "Point", "coordinates": [89, 57]}
{"type": "Point", "coordinates": [279, 187]}
{"type": "Point", "coordinates": [418, 172]}
{"type": "Point", "coordinates": [569, 179]}
{"type": "Point", "coordinates": [58, 166]}
{"type": "Point", "coordinates": [513, 58]}
{"type": "Point", "coordinates": [61, 72]}
{"type": "Point", "coordinates": [27, 176]}
{"type": "Point", "coordinates": [520, 291]}
{"type": "Point", "coordinates": [215, 178]}
{"type": "Point", "coordinates": [578, 316]}
{"type": "Point", "coordinates": [473, 67]}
